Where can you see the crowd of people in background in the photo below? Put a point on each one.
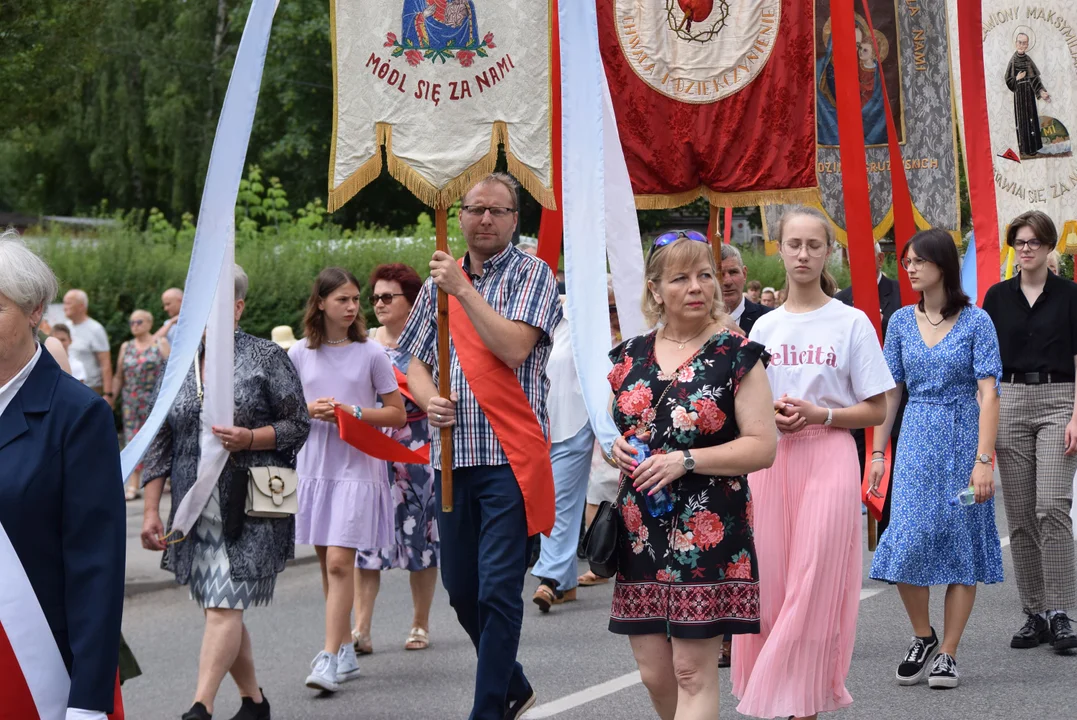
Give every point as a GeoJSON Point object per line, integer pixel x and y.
{"type": "Point", "coordinates": [735, 478]}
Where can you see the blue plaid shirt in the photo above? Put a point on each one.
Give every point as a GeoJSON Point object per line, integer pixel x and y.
{"type": "Point", "coordinates": [519, 287]}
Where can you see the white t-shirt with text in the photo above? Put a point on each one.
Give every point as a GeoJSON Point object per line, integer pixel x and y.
{"type": "Point", "coordinates": [87, 339]}
{"type": "Point", "coordinates": [830, 357]}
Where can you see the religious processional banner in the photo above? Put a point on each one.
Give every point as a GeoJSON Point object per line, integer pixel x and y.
{"type": "Point", "coordinates": [914, 66]}
{"type": "Point", "coordinates": [1030, 64]}
{"type": "Point", "coordinates": [440, 84]}
{"type": "Point", "coordinates": [712, 99]}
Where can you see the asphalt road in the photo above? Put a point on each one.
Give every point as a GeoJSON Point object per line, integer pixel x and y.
{"type": "Point", "coordinates": [579, 669]}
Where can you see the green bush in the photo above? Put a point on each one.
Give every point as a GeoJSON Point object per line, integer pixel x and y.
{"type": "Point", "coordinates": [129, 266]}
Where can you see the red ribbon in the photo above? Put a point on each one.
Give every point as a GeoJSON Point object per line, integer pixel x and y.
{"type": "Point", "coordinates": [979, 159]}
{"type": "Point", "coordinates": [16, 702]}
{"type": "Point", "coordinates": [854, 176]}
{"type": "Point", "coordinates": [901, 201]}
{"type": "Point", "coordinates": [402, 383]}
{"type": "Point", "coordinates": [552, 224]}
{"type": "Point", "coordinates": [365, 438]}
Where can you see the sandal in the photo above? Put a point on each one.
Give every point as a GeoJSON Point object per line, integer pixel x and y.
{"type": "Point", "coordinates": [362, 643]}
{"type": "Point", "coordinates": [131, 494]}
{"type": "Point", "coordinates": [589, 579]}
{"type": "Point", "coordinates": [418, 639]}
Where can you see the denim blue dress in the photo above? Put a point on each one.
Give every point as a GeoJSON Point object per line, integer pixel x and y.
{"type": "Point", "coordinates": [930, 542]}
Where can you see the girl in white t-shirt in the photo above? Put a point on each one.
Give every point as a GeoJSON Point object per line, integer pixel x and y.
{"type": "Point", "coordinates": [828, 374]}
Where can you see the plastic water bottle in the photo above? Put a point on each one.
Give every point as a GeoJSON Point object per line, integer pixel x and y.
{"type": "Point", "coordinates": [661, 502]}
{"type": "Point", "coordinates": [964, 498]}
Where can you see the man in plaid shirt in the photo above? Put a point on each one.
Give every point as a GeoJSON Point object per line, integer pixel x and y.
{"type": "Point", "coordinates": [512, 302]}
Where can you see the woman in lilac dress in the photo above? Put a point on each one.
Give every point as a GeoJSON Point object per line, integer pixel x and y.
{"type": "Point", "coordinates": [416, 547]}
{"type": "Point", "coordinates": [344, 497]}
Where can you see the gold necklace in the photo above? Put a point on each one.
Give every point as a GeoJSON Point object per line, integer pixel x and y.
{"type": "Point", "coordinates": [681, 344]}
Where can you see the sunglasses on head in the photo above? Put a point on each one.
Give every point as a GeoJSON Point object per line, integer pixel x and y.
{"type": "Point", "coordinates": [674, 235]}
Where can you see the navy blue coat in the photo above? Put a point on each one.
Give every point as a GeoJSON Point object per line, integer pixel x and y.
{"type": "Point", "coordinates": [62, 506]}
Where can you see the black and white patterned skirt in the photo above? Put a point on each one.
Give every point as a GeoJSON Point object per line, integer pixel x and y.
{"type": "Point", "coordinates": [211, 584]}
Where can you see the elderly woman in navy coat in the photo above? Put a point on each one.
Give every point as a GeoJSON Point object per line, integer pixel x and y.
{"type": "Point", "coordinates": [62, 510]}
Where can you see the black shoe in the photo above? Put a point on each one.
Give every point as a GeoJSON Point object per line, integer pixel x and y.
{"type": "Point", "coordinates": [921, 652]}
{"type": "Point", "coordinates": [197, 712]}
{"type": "Point", "coordinates": [1062, 636]}
{"type": "Point", "coordinates": [251, 710]}
{"type": "Point", "coordinates": [517, 708]}
{"type": "Point", "coordinates": [1033, 633]}
{"type": "Point", "coordinates": [943, 673]}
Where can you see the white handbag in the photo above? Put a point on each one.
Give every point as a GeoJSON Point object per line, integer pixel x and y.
{"type": "Point", "coordinates": [271, 492]}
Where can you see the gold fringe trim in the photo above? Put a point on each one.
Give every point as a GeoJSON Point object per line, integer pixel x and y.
{"type": "Point", "coordinates": [424, 189]}
{"type": "Point", "coordinates": [367, 173]}
{"type": "Point", "coordinates": [793, 196]}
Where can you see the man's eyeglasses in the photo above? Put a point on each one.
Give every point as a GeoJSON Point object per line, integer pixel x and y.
{"type": "Point", "coordinates": [674, 235]}
{"type": "Point", "coordinates": [1031, 244]}
{"type": "Point", "coordinates": [914, 263]}
{"type": "Point", "coordinates": [386, 298]}
{"type": "Point", "coordinates": [480, 210]}
{"type": "Point", "coordinates": [792, 248]}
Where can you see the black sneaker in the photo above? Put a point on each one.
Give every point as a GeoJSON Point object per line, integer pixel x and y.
{"type": "Point", "coordinates": [1032, 634]}
{"type": "Point", "coordinates": [197, 712]}
{"type": "Point", "coordinates": [251, 710]}
{"type": "Point", "coordinates": [517, 708]}
{"type": "Point", "coordinates": [1062, 636]}
{"type": "Point", "coordinates": [912, 668]}
{"type": "Point", "coordinates": [943, 672]}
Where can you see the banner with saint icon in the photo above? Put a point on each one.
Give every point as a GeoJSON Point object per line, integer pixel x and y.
{"type": "Point", "coordinates": [440, 84]}
{"type": "Point", "coordinates": [913, 64]}
{"type": "Point", "coordinates": [710, 99]}
{"type": "Point", "coordinates": [1030, 66]}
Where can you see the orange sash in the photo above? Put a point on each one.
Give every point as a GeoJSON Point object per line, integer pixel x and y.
{"type": "Point", "coordinates": [505, 405]}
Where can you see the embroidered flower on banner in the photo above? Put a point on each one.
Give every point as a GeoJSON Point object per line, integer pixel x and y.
{"type": "Point", "coordinates": [417, 51]}
{"type": "Point", "coordinates": [707, 529]}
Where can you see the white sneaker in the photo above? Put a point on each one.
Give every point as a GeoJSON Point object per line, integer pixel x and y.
{"type": "Point", "coordinates": [324, 675]}
{"type": "Point", "coordinates": [347, 663]}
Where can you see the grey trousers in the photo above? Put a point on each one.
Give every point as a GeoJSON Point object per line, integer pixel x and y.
{"type": "Point", "coordinates": [1037, 484]}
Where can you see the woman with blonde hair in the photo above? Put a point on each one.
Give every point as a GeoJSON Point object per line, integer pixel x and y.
{"type": "Point", "coordinates": [692, 401]}
{"type": "Point", "coordinates": [138, 365]}
{"type": "Point", "coordinates": [828, 373]}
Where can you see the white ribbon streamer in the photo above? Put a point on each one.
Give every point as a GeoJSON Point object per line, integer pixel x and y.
{"type": "Point", "coordinates": [594, 186]}
{"type": "Point", "coordinates": [210, 256]}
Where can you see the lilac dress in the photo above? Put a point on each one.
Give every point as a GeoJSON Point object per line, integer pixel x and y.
{"type": "Point", "coordinates": [344, 495]}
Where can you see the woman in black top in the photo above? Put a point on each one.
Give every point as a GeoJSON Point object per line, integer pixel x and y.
{"type": "Point", "coordinates": [1035, 316]}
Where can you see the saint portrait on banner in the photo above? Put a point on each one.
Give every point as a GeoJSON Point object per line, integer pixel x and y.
{"type": "Point", "coordinates": [440, 24]}
{"type": "Point", "coordinates": [872, 71]}
{"type": "Point", "coordinates": [1024, 80]}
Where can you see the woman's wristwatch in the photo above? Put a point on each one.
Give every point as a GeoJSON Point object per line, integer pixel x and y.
{"type": "Point", "coordinates": [689, 462]}
{"type": "Point", "coordinates": [983, 458]}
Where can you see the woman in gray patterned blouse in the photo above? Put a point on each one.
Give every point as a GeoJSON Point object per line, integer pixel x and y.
{"type": "Point", "coordinates": [230, 561]}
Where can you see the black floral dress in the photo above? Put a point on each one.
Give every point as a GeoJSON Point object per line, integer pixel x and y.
{"type": "Point", "coordinates": [691, 573]}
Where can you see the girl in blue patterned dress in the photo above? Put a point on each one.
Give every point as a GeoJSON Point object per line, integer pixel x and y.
{"type": "Point", "coordinates": [946, 351]}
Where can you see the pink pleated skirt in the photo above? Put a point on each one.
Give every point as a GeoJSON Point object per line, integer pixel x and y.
{"type": "Point", "coordinates": [807, 536]}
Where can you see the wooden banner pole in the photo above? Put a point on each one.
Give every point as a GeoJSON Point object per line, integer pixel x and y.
{"type": "Point", "coordinates": [441, 223]}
